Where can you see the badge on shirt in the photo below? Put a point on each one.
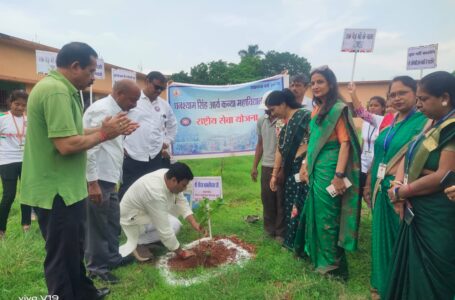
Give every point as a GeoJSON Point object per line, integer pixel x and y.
{"type": "Point", "coordinates": [368, 153]}
{"type": "Point", "coordinates": [157, 108]}
{"type": "Point", "coordinates": [381, 170]}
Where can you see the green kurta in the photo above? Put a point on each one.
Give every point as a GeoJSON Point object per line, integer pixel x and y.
{"type": "Point", "coordinates": [291, 137]}
{"type": "Point", "coordinates": [423, 260]}
{"type": "Point", "coordinates": [385, 220]}
{"type": "Point", "coordinates": [331, 223]}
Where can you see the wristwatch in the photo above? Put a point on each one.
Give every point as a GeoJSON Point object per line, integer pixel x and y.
{"type": "Point", "coordinates": [340, 175]}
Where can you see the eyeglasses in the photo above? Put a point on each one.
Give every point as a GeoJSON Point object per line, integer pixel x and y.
{"type": "Point", "coordinates": [398, 94]}
{"type": "Point", "coordinates": [321, 68]}
{"type": "Point", "coordinates": [158, 88]}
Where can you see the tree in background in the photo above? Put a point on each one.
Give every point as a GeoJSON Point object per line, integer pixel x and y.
{"type": "Point", "coordinates": [181, 77]}
{"type": "Point", "coordinates": [275, 62]}
{"type": "Point", "coordinates": [200, 74]}
{"type": "Point", "coordinates": [254, 65]}
{"type": "Point", "coordinates": [251, 51]}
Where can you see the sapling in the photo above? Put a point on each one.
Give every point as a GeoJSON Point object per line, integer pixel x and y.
{"type": "Point", "coordinates": [207, 208]}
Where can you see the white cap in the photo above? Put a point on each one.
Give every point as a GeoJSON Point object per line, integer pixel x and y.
{"type": "Point", "coordinates": [264, 97]}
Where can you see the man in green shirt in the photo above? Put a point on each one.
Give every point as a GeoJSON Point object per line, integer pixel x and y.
{"type": "Point", "coordinates": [53, 170]}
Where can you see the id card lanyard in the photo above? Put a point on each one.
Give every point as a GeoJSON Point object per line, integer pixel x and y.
{"type": "Point", "coordinates": [369, 137]}
{"type": "Point", "coordinates": [411, 150]}
{"type": "Point", "coordinates": [19, 134]}
{"type": "Point", "coordinates": [388, 139]}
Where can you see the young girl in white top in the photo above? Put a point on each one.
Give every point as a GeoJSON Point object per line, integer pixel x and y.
{"type": "Point", "coordinates": [12, 140]}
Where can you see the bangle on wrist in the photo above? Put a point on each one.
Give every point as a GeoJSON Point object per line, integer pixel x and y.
{"type": "Point", "coordinates": [408, 186]}
{"type": "Point", "coordinates": [340, 175]}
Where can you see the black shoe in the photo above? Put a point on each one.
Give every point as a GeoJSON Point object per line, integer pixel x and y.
{"type": "Point", "coordinates": [124, 262]}
{"type": "Point", "coordinates": [102, 292]}
{"type": "Point", "coordinates": [106, 277]}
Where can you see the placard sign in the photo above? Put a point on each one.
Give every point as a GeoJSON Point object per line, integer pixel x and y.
{"type": "Point", "coordinates": [99, 73]}
{"type": "Point", "coordinates": [119, 74]}
{"type": "Point", "coordinates": [423, 57]}
{"type": "Point", "coordinates": [358, 40]}
{"type": "Point", "coordinates": [207, 187]}
{"type": "Point", "coordinates": [45, 61]}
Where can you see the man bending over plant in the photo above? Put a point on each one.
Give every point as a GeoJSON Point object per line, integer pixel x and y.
{"type": "Point", "coordinates": [150, 200]}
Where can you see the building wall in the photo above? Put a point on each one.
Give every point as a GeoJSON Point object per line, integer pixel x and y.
{"type": "Point", "coordinates": [18, 64]}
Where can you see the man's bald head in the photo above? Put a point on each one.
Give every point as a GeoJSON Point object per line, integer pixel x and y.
{"type": "Point", "coordinates": [126, 93]}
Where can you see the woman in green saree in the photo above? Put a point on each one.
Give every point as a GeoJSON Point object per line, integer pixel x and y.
{"type": "Point", "coordinates": [423, 260]}
{"type": "Point", "coordinates": [388, 150]}
{"type": "Point", "coordinates": [291, 151]}
{"type": "Point", "coordinates": [333, 159]}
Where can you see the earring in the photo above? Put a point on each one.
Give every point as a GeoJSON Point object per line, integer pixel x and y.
{"type": "Point", "coordinates": [444, 103]}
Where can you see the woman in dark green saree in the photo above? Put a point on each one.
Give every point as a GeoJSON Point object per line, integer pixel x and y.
{"type": "Point", "coordinates": [291, 151]}
{"type": "Point", "coordinates": [423, 259]}
{"type": "Point", "coordinates": [388, 150]}
{"type": "Point", "coordinates": [331, 222]}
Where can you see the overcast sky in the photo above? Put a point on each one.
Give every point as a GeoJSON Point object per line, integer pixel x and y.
{"type": "Point", "coordinates": [170, 36]}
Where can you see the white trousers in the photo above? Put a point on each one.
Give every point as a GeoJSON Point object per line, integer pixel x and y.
{"type": "Point", "coordinates": [149, 234]}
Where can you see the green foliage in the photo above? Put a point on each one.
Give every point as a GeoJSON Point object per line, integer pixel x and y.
{"type": "Point", "coordinates": [254, 65]}
{"type": "Point", "coordinates": [182, 77]}
{"type": "Point", "coordinates": [249, 69]}
{"type": "Point", "coordinates": [200, 74]}
{"type": "Point", "coordinates": [207, 208]}
{"type": "Point", "coordinates": [251, 51]}
{"type": "Point", "coordinates": [275, 62]}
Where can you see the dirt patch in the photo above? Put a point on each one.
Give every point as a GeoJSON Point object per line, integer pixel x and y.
{"type": "Point", "coordinates": [209, 254]}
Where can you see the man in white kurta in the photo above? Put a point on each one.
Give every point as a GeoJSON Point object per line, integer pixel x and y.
{"type": "Point", "coordinates": [150, 200]}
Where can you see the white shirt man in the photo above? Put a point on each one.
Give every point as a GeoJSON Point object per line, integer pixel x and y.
{"type": "Point", "coordinates": [147, 149]}
{"type": "Point", "coordinates": [104, 167]}
{"type": "Point", "coordinates": [150, 200]}
{"type": "Point", "coordinates": [104, 161]}
{"type": "Point", "coordinates": [158, 127]}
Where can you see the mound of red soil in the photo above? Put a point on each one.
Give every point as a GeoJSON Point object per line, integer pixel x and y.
{"type": "Point", "coordinates": [209, 254]}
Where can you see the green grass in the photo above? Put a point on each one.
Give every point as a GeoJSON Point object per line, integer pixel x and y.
{"type": "Point", "coordinates": [273, 274]}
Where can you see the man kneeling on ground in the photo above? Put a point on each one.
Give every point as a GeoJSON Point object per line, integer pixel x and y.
{"type": "Point", "coordinates": [152, 199]}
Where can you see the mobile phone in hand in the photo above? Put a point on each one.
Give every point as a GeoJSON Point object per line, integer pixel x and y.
{"type": "Point", "coordinates": [448, 180]}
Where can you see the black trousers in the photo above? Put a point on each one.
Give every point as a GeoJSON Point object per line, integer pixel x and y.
{"type": "Point", "coordinates": [63, 230]}
{"type": "Point", "coordinates": [135, 169]}
{"type": "Point", "coordinates": [10, 174]}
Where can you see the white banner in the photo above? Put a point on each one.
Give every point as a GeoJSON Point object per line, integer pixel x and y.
{"type": "Point", "coordinates": [218, 121]}
{"type": "Point", "coordinates": [423, 57]}
{"type": "Point", "coordinates": [358, 40]}
{"type": "Point", "coordinates": [45, 61]}
{"type": "Point", "coordinates": [119, 74]}
{"type": "Point", "coordinates": [99, 73]}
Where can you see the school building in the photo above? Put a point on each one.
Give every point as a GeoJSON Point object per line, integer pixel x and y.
{"type": "Point", "coordinates": [18, 69]}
